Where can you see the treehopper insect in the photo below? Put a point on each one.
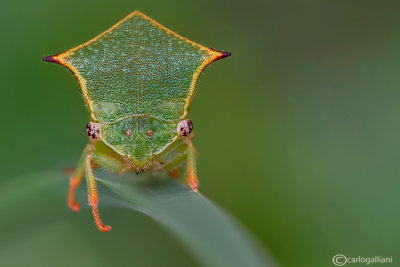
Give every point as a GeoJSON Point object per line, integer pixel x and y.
{"type": "Point", "coordinates": [138, 79]}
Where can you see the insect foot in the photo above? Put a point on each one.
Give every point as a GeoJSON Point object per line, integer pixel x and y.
{"type": "Point", "coordinates": [185, 128]}
{"type": "Point", "coordinates": [93, 130]}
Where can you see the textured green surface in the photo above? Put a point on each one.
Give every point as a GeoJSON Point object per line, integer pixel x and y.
{"type": "Point", "coordinates": [138, 68]}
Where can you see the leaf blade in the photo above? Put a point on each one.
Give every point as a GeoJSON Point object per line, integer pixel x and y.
{"type": "Point", "coordinates": [212, 236]}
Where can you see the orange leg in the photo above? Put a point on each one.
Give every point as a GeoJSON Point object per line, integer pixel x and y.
{"type": "Point", "coordinates": [74, 182]}
{"type": "Point", "coordinates": [92, 192]}
{"type": "Point", "coordinates": [191, 166]}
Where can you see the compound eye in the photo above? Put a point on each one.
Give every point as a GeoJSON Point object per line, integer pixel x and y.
{"type": "Point", "coordinates": [185, 128]}
{"type": "Point", "coordinates": [150, 132]}
{"type": "Point", "coordinates": [93, 130]}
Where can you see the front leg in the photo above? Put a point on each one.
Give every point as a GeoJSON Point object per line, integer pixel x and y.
{"type": "Point", "coordinates": [92, 190]}
{"type": "Point", "coordinates": [95, 153]}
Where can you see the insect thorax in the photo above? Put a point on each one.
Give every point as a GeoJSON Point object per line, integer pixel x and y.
{"type": "Point", "coordinates": [140, 139]}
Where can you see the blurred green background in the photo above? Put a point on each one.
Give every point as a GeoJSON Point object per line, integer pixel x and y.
{"type": "Point", "coordinates": [297, 131]}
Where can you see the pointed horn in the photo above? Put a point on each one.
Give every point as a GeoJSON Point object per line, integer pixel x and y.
{"type": "Point", "coordinates": [222, 55]}
{"type": "Point", "coordinates": [225, 54]}
{"type": "Point", "coordinates": [51, 59]}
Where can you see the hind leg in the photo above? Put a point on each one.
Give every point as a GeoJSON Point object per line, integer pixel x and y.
{"type": "Point", "coordinates": [74, 182]}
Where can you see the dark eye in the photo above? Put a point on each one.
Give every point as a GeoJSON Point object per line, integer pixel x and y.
{"type": "Point", "coordinates": [150, 132]}
{"type": "Point", "coordinates": [185, 128]}
{"type": "Point", "coordinates": [93, 130]}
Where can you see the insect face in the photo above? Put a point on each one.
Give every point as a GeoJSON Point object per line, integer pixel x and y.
{"type": "Point", "coordinates": [185, 128]}
{"type": "Point", "coordinates": [93, 130]}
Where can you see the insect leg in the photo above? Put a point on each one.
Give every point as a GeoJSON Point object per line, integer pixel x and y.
{"type": "Point", "coordinates": [92, 192]}
{"type": "Point", "coordinates": [110, 163]}
{"type": "Point", "coordinates": [191, 166]}
{"type": "Point", "coordinates": [74, 182]}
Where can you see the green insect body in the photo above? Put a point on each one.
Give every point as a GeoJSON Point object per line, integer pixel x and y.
{"type": "Point", "coordinates": [138, 79]}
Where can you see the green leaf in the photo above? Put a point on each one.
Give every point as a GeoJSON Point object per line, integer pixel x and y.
{"type": "Point", "coordinates": [37, 229]}
{"type": "Point", "coordinates": [212, 236]}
